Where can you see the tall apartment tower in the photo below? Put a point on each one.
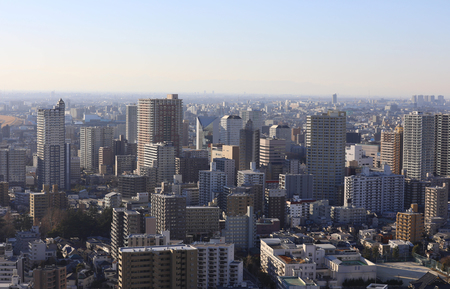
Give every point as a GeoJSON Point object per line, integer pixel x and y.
{"type": "Point", "coordinates": [325, 153]}
{"type": "Point", "coordinates": [91, 139]}
{"type": "Point", "coordinates": [230, 126]}
{"type": "Point", "coordinates": [131, 123]}
{"type": "Point", "coordinates": [436, 200]}
{"type": "Point", "coordinates": [159, 120]}
{"type": "Point", "coordinates": [50, 146]}
{"type": "Point", "coordinates": [124, 223]}
{"type": "Point", "coordinates": [442, 124]}
{"type": "Point", "coordinates": [12, 166]}
{"type": "Point", "coordinates": [170, 213]}
{"type": "Point", "coordinates": [418, 145]}
{"type": "Point", "coordinates": [392, 149]}
{"type": "Point", "coordinates": [159, 267]}
{"type": "Point", "coordinates": [248, 146]}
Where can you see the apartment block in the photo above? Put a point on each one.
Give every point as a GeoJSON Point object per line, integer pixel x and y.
{"type": "Point", "coordinates": [297, 184]}
{"type": "Point", "coordinates": [50, 277]}
{"type": "Point", "coordinates": [392, 149]}
{"type": "Point", "coordinates": [410, 225]}
{"type": "Point", "coordinates": [202, 220]}
{"type": "Point", "coordinates": [170, 213]}
{"type": "Point", "coordinates": [158, 267]}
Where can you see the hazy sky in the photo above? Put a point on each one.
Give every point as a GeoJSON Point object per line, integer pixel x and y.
{"type": "Point", "coordinates": [386, 48]}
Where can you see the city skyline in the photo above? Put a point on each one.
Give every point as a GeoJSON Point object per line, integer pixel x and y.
{"type": "Point", "coordinates": [382, 48]}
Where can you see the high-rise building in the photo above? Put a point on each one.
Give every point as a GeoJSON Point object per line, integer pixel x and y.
{"type": "Point", "coordinates": [392, 149]}
{"type": "Point", "coordinates": [241, 230]}
{"type": "Point", "coordinates": [207, 131]}
{"type": "Point", "coordinates": [210, 184]}
{"type": "Point", "coordinates": [190, 163]}
{"type": "Point", "coordinates": [185, 130]}
{"type": "Point", "coordinates": [51, 146]}
{"type": "Point", "coordinates": [297, 184]}
{"type": "Point", "coordinates": [159, 267]}
{"type": "Point", "coordinates": [12, 166]}
{"type": "Point", "coordinates": [325, 154]}
{"type": "Point", "coordinates": [170, 213]}
{"type": "Point", "coordinates": [162, 157]}
{"type": "Point", "coordinates": [442, 134]}
{"type": "Point", "coordinates": [125, 164]}
{"type": "Point", "coordinates": [248, 146]}
{"type": "Point", "coordinates": [238, 202]}
{"type": "Point", "coordinates": [4, 197]}
{"type": "Point", "coordinates": [334, 100]}
{"type": "Point", "coordinates": [276, 205]}
{"type": "Point", "coordinates": [105, 157]}
{"type": "Point", "coordinates": [436, 203]}
{"type": "Point", "coordinates": [131, 123]}
{"type": "Point", "coordinates": [410, 225]}
{"type": "Point", "coordinates": [282, 131]}
{"type": "Point", "coordinates": [159, 120]}
{"type": "Point", "coordinates": [130, 185]}
{"type": "Point", "coordinates": [257, 181]}
{"type": "Point", "coordinates": [272, 156]}
{"type": "Point", "coordinates": [418, 145]}
{"type": "Point", "coordinates": [230, 126]}
{"type": "Point", "coordinates": [227, 166]}
{"type": "Point", "coordinates": [256, 116]}
{"type": "Point", "coordinates": [91, 139]}
{"type": "Point", "coordinates": [377, 192]}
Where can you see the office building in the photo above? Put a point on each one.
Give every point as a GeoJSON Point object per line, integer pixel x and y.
{"type": "Point", "coordinates": [334, 100]}
{"type": "Point", "coordinates": [170, 213]}
{"type": "Point", "coordinates": [256, 116]}
{"type": "Point", "coordinates": [257, 180]}
{"type": "Point", "coordinates": [51, 146]}
{"type": "Point", "coordinates": [190, 163]}
{"type": "Point", "coordinates": [216, 265]}
{"type": "Point", "coordinates": [50, 277]}
{"type": "Point", "coordinates": [130, 185]}
{"type": "Point", "coordinates": [237, 203]}
{"type": "Point", "coordinates": [131, 123]}
{"type": "Point", "coordinates": [210, 184]}
{"type": "Point", "coordinates": [392, 149]}
{"type": "Point", "coordinates": [282, 131]}
{"type": "Point", "coordinates": [248, 146]}
{"type": "Point", "coordinates": [418, 145]}
{"type": "Point", "coordinates": [159, 267]}
{"type": "Point", "coordinates": [125, 164]}
{"type": "Point", "coordinates": [272, 156]}
{"type": "Point", "coordinates": [202, 220]}
{"type": "Point", "coordinates": [410, 225]}
{"type": "Point", "coordinates": [348, 214]}
{"type": "Point", "coordinates": [91, 139]}
{"type": "Point", "coordinates": [297, 184]}
{"type": "Point", "coordinates": [162, 157]}
{"type": "Point", "coordinates": [207, 131]}
{"type": "Point", "coordinates": [378, 192]}
{"type": "Point", "coordinates": [228, 167]}
{"type": "Point", "coordinates": [230, 126]}
{"type": "Point", "coordinates": [12, 166]}
{"type": "Point", "coordinates": [159, 120]}
{"type": "Point", "coordinates": [325, 154]}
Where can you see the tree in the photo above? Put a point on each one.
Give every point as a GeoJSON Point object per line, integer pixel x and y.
{"type": "Point", "coordinates": [416, 249]}
{"type": "Point", "coordinates": [375, 252]}
{"type": "Point", "coordinates": [367, 253]}
{"type": "Point", "coordinates": [396, 253]}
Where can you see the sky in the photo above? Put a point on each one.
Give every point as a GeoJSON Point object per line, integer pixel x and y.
{"type": "Point", "coordinates": [355, 48]}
